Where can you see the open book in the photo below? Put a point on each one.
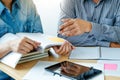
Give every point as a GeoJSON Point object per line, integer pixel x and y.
{"type": "Point", "coordinates": [13, 58]}
{"type": "Point", "coordinates": [95, 53]}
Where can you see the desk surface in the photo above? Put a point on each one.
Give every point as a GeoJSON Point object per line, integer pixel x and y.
{"type": "Point", "coordinates": [19, 72]}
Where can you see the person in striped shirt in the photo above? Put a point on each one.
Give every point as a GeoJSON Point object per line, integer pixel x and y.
{"type": "Point", "coordinates": [90, 22]}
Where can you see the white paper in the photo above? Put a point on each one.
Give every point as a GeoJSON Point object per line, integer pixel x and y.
{"type": "Point", "coordinates": [85, 53]}
{"type": "Point", "coordinates": [39, 73]}
{"type": "Point", "coordinates": [111, 72]}
{"type": "Point", "coordinates": [11, 59]}
{"type": "Point", "coordinates": [110, 53]}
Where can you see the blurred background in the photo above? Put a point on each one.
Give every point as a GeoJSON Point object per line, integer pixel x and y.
{"type": "Point", "coordinates": [49, 12]}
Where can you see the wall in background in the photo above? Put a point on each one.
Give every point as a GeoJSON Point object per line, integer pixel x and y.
{"type": "Point", "coordinates": [49, 12]}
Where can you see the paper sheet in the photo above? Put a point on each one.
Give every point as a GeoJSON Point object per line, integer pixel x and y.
{"type": "Point", "coordinates": [110, 53]}
{"type": "Point", "coordinates": [112, 68]}
{"type": "Point", "coordinates": [39, 73]}
{"type": "Point", "coordinates": [85, 53]}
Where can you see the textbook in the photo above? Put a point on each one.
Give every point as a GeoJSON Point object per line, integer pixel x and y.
{"type": "Point", "coordinates": [13, 58]}
{"type": "Point", "coordinates": [104, 53]}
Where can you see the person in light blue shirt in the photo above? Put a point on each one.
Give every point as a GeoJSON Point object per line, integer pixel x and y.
{"type": "Point", "coordinates": [90, 22]}
{"type": "Point", "coordinates": [21, 16]}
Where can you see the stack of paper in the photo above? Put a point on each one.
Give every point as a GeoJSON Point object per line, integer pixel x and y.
{"type": "Point", "coordinates": [33, 56]}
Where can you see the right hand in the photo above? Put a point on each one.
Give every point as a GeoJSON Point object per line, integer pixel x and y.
{"type": "Point", "coordinates": [64, 49]}
{"type": "Point", "coordinates": [24, 45]}
{"type": "Point", "coordinates": [114, 45]}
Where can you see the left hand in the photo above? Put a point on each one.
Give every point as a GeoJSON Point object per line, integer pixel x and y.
{"type": "Point", "coordinates": [64, 49]}
{"type": "Point", "coordinates": [73, 27]}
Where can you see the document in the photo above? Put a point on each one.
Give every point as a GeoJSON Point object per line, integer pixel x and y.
{"type": "Point", "coordinates": [13, 58]}
{"type": "Point", "coordinates": [95, 53]}
{"type": "Point", "coordinates": [111, 68]}
{"type": "Point", "coordinates": [39, 73]}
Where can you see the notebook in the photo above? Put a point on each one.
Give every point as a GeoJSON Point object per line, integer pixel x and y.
{"type": "Point", "coordinates": [95, 53]}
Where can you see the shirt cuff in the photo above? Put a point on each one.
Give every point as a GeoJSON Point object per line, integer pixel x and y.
{"type": "Point", "coordinates": [104, 44]}
{"type": "Point", "coordinates": [96, 30]}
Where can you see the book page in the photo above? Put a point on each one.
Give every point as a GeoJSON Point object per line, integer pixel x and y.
{"type": "Point", "coordinates": [11, 59]}
{"type": "Point", "coordinates": [110, 53]}
{"type": "Point", "coordinates": [85, 53]}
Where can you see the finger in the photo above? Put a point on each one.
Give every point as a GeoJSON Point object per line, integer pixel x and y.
{"type": "Point", "coordinates": [25, 49]}
{"type": "Point", "coordinates": [33, 43]}
{"type": "Point", "coordinates": [66, 19]}
{"type": "Point", "coordinates": [66, 24]}
{"type": "Point", "coordinates": [66, 47]}
{"type": "Point", "coordinates": [29, 46]}
{"type": "Point", "coordinates": [61, 50]}
{"type": "Point", "coordinates": [71, 27]}
{"type": "Point", "coordinates": [22, 51]}
{"type": "Point", "coordinates": [73, 32]}
{"type": "Point", "coordinates": [56, 48]}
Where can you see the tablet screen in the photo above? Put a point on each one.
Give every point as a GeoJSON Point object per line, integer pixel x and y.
{"type": "Point", "coordinates": [72, 70]}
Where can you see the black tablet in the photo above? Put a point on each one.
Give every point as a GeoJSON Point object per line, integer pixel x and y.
{"type": "Point", "coordinates": [73, 71]}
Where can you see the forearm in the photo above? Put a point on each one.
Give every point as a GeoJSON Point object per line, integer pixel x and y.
{"type": "Point", "coordinates": [85, 40]}
{"type": "Point", "coordinates": [104, 32]}
{"type": "Point", "coordinates": [4, 49]}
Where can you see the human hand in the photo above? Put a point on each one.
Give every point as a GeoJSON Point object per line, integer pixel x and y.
{"type": "Point", "coordinates": [24, 45]}
{"type": "Point", "coordinates": [114, 45]}
{"type": "Point", "coordinates": [64, 49]}
{"type": "Point", "coordinates": [73, 27]}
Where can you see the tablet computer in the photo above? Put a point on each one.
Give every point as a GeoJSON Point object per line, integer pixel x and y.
{"type": "Point", "coordinates": [73, 71]}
